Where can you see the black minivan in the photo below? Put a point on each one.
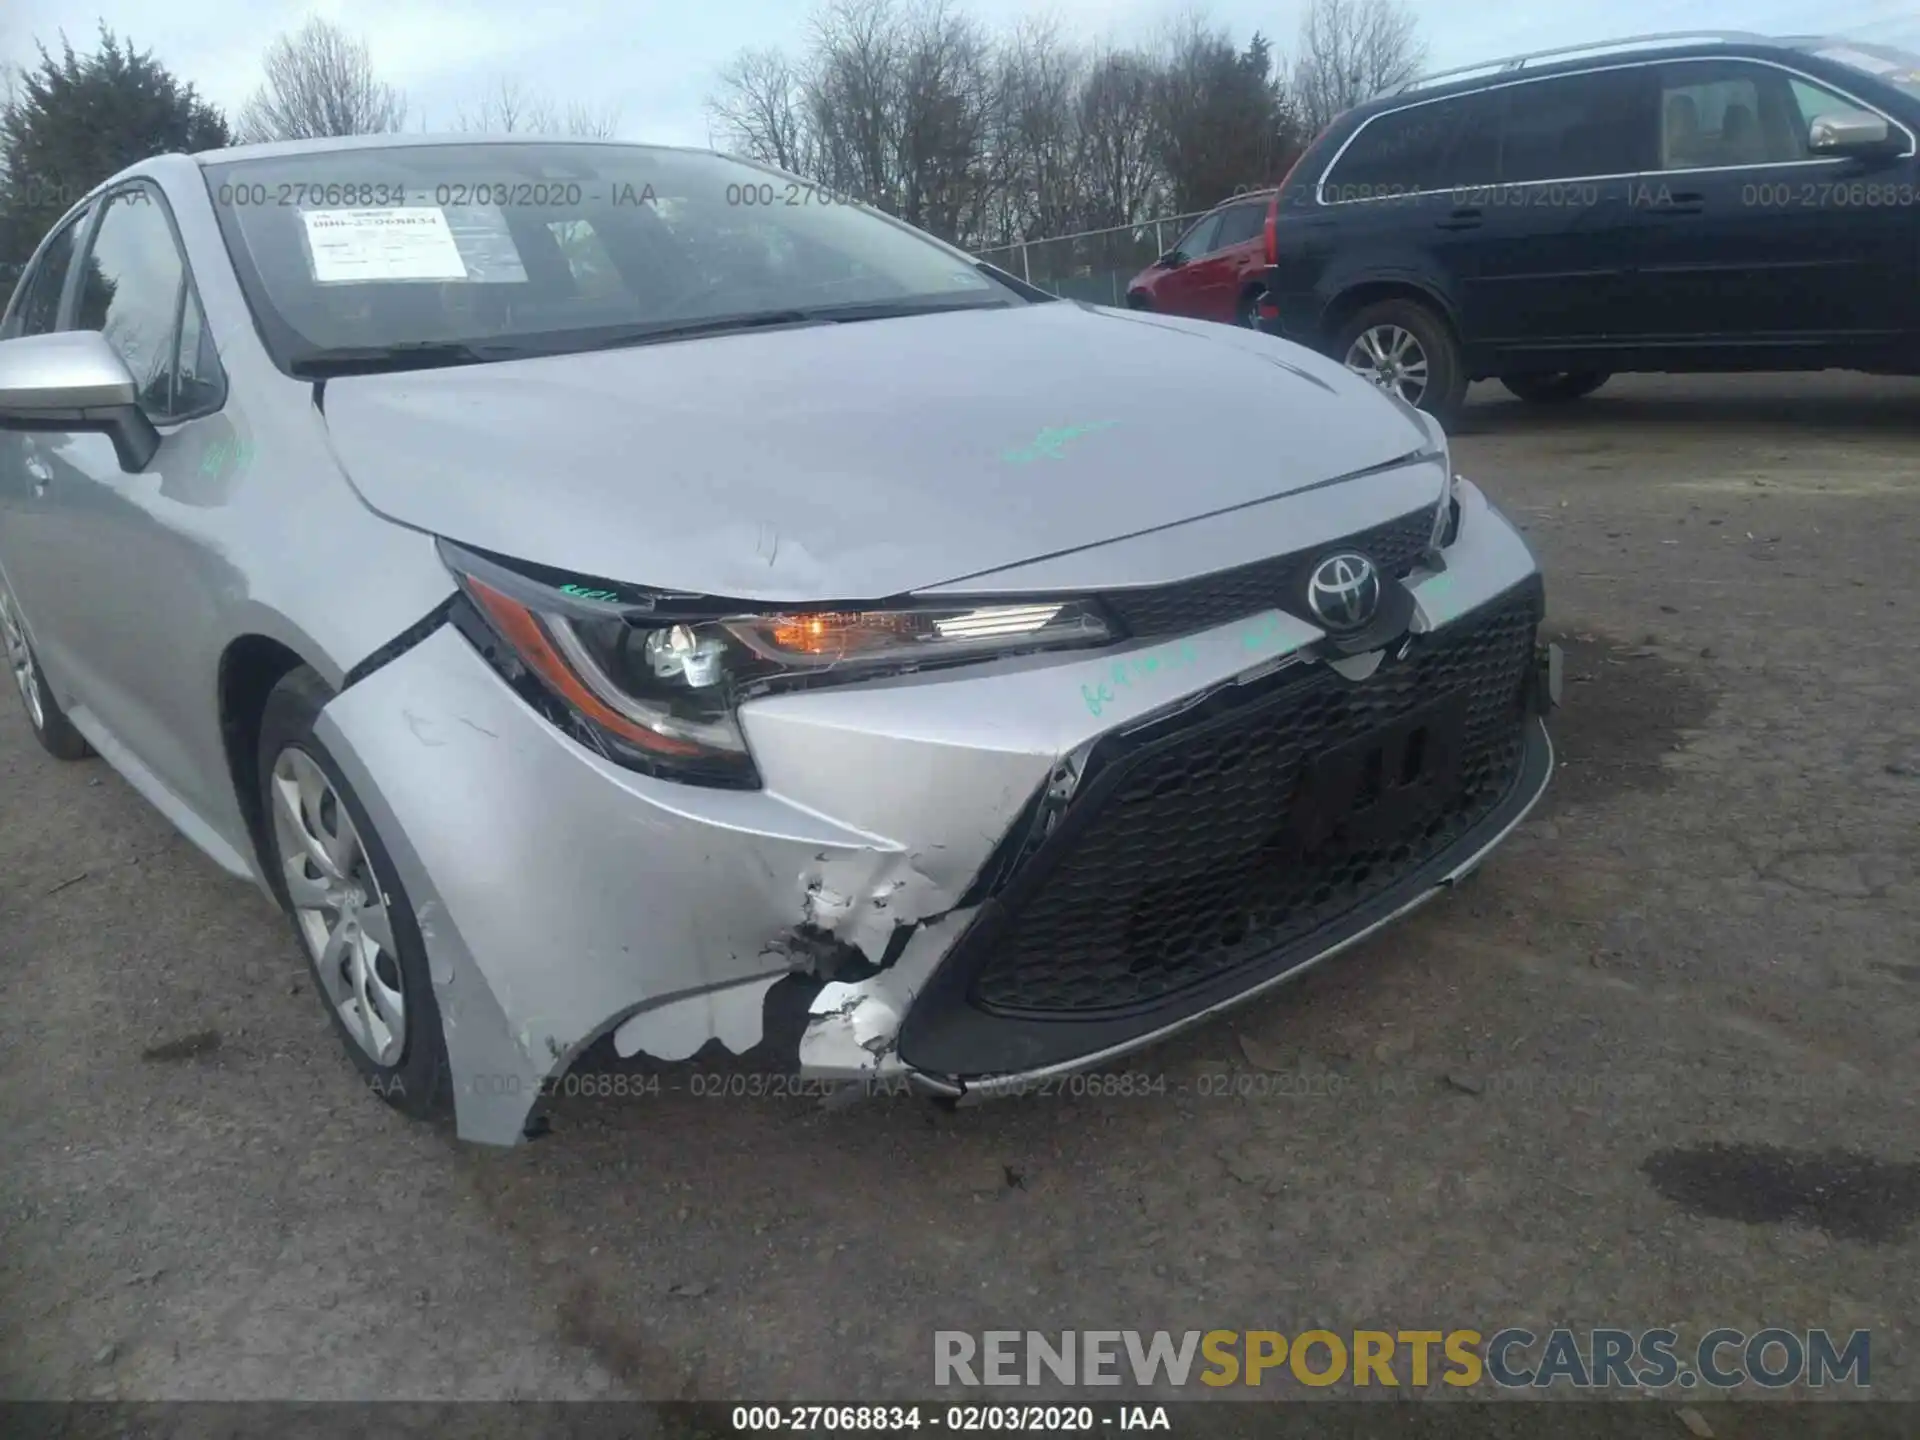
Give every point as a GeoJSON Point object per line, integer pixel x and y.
{"type": "Point", "coordinates": [1668, 203]}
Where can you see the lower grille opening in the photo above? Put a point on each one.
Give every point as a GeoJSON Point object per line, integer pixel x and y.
{"type": "Point", "coordinates": [1209, 849]}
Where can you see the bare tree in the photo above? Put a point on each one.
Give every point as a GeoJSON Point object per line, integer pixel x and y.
{"type": "Point", "coordinates": [1351, 50]}
{"type": "Point", "coordinates": [987, 140]}
{"type": "Point", "coordinates": [942, 109]}
{"type": "Point", "coordinates": [760, 109]}
{"type": "Point", "coordinates": [1120, 139]}
{"type": "Point", "coordinates": [593, 122]}
{"type": "Point", "coordinates": [1035, 167]}
{"type": "Point", "coordinates": [510, 109]}
{"type": "Point", "coordinates": [850, 94]}
{"type": "Point", "coordinates": [1222, 119]}
{"type": "Point", "coordinates": [320, 83]}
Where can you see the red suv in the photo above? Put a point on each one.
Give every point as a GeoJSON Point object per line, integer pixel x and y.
{"type": "Point", "coordinates": [1218, 269]}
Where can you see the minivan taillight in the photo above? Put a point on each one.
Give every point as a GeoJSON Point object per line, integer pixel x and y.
{"type": "Point", "coordinates": [1273, 210]}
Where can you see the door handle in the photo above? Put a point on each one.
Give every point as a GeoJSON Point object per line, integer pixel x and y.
{"type": "Point", "coordinates": [1467, 217]}
{"type": "Point", "coordinates": [1683, 202]}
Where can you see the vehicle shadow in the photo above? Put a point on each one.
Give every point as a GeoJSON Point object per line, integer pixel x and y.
{"type": "Point", "coordinates": [1827, 403]}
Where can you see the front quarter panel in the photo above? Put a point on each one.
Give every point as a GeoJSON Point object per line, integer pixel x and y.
{"type": "Point", "coordinates": [243, 525]}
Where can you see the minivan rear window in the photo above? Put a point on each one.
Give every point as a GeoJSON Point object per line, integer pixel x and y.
{"type": "Point", "coordinates": [1397, 153]}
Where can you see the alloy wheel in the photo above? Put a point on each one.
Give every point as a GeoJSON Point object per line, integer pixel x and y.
{"type": "Point", "coordinates": [338, 906]}
{"type": "Point", "coordinates": [20, 661]}
{"type": "Point", "coordinates": [1391, 358]}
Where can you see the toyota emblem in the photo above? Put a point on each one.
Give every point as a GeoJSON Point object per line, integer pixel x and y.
{"type": "Point", "coordinates": [1344, 591]}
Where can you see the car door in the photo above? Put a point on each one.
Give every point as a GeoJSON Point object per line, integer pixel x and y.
{"type": "Point", "coordinates": [1550, 242]}
{"type": "Point", "coordinates": [1177, 293]}
{"type": "Point", "coordinates": [138, 573]}
{"type": "Point", "coordinates": [29, 525]}
{"type": "Point", "coordinates": [1222, 274]}
{"type": "Point", "coordinates": [1752, 242]}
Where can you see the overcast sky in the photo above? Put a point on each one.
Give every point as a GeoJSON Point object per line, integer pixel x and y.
{"type": "Point", "coordinates": [655, 60]}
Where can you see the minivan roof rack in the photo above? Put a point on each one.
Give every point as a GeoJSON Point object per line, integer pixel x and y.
{"type": "Point", "coordinates": [1597, 47]}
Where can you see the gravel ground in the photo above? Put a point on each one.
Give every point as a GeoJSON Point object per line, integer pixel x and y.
{"type": "Point", "coordinates": [1653, 1066]}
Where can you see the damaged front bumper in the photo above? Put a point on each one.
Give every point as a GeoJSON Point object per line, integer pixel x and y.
{"type": "Point", "coordinates": [905, 831]}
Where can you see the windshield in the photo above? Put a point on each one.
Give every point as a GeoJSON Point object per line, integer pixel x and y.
{"type": "Point", "coordinates": [1886, 63]}
{"type": "Point", "coordinates": [426, 254]}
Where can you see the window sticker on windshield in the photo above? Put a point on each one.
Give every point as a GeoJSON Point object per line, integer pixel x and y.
{"type": "Point", "coordinates": [404, 242]}
{"type": "Point", "coordinates": [1859, 60]}
{"type": "Point", "coordinates": [485, 244]}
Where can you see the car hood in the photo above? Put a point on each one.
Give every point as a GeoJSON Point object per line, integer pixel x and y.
{"type": "Point", "coordinates": [857, 461]}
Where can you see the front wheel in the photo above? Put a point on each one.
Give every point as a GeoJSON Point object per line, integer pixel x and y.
{"type": "Point", "coordinates": [335, 879]}
{"type": "Point", "coordinates": [50, 724]}
{"type": "Point", "coordinates": [1555, 388]}
{"type": "Point", "coordinates": [1406, 348]}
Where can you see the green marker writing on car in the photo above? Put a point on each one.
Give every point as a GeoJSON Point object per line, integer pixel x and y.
{"type": "Point", "coordinates": [1050, 444]}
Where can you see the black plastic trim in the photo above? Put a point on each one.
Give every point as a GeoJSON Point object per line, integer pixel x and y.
{"type": "Point", "coordinates": [946, 1034]}
{"type": "Point", "coordinates": [401, 643]}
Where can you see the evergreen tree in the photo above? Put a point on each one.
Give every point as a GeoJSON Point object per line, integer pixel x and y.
{"type": "Point", "coordinates": [75, 120]}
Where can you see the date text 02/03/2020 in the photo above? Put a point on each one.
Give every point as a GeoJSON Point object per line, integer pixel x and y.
{"type": "Point", "coordinates": [1032, 1419]}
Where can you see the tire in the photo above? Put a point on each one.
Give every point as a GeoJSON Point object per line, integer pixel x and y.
{"type": "Point", "coordinates": [1137, 300]}
{"type": "Point", "coordinates": [1247, 316]}
{"type": "Point", "coordinates": [1556, 388]}
{"type": "Point", "coordinates": [1444, 389]}
{"type": "Point", "coordinates": [44, 716]}
{"type": "Point", "coordinates": [401, 1057]}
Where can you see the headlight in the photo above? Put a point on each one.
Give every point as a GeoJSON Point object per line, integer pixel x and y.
{"type": "Point", "coordinates": [653, 681]}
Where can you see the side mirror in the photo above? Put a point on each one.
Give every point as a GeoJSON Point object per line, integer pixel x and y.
{"type": "Point", "coordinates": [74, 380]}
{"type": "Point", "coordinates": [1848, 135]}
{"type": "Point", "coordinates": [1172, 260]}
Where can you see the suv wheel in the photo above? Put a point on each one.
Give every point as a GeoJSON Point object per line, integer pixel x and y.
{"type": "Point", "coordinates": [1248, 315]}
{"type": "Point", "coordinates": [1557, 387]}
{"type": "Point", "coordinates": [50, 724]}
{"type": "Point", "coordinates": [1404, 347]}
{"type": "Point", "coordinates": [1137, 300]}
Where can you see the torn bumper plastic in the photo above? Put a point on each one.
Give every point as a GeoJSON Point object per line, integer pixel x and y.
{"type": "Point", "coordinates": [564, 899]}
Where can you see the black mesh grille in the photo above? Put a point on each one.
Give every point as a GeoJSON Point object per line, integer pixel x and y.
{"type": "Point", "coordinates": [1191, 860]}
{"type": "Point", "coordinates": [1192, 605]}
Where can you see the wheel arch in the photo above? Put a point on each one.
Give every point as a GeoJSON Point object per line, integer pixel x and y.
{"type": "Point", "coordinates": [250, 666]}
{"type": "Point", "coordinates": [259, 658]}
{"type": "Point", "coordinates": [1355, 297]}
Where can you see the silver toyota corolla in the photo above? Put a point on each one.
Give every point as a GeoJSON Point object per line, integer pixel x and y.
{"type": "Point", "coordinates": [603, 590]}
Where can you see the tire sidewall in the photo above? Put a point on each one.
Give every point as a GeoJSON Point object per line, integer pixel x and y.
{"type": "Point", "coordinates": [1446, 390]}
{"type": "Point", "coordinates": [56, 733]}
{"type": "Point", "coordinates": [418, 1086]}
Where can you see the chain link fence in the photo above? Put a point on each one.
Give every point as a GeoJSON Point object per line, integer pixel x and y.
{"type": "Point", "coordinates": [1091, 265]}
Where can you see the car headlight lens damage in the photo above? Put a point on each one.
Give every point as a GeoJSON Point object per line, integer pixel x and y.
{"type": "Point", "coordinates": [653, 680]}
